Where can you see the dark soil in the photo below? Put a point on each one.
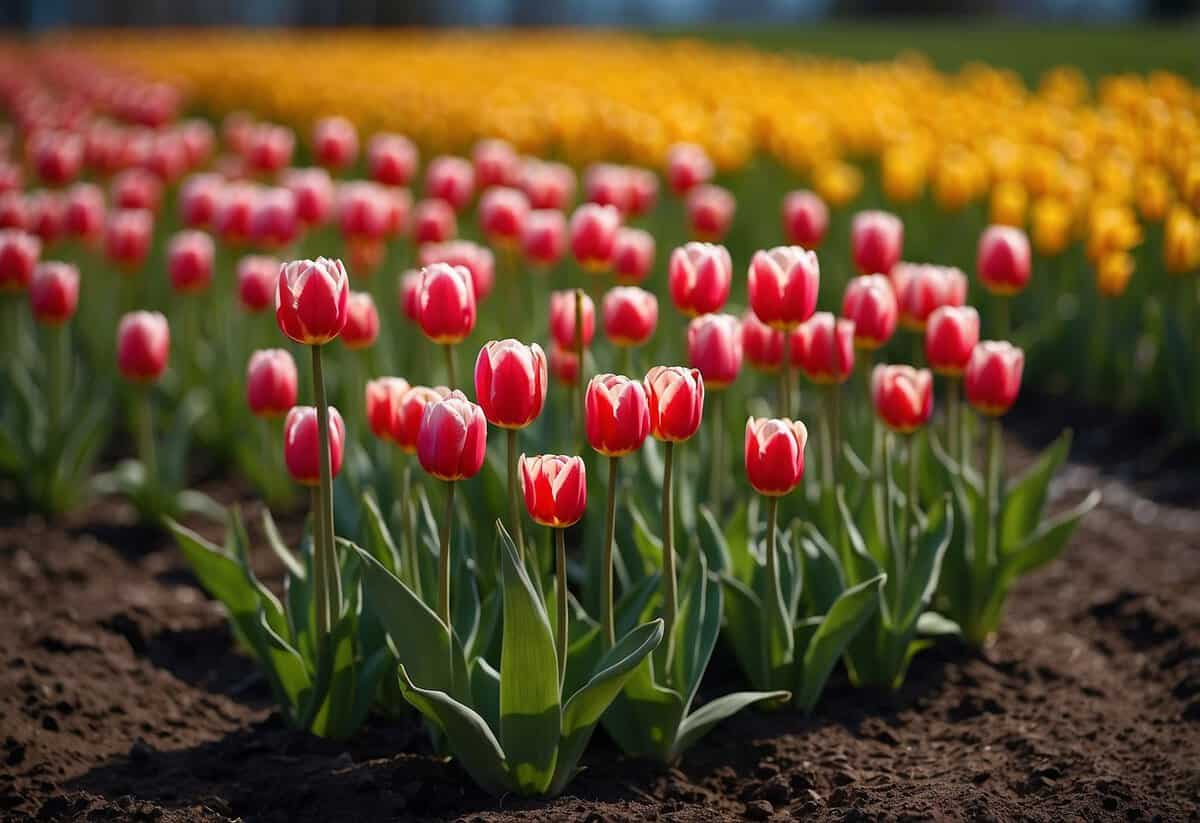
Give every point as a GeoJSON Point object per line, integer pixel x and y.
{"type": "Point", "coordinates": [122, 698]}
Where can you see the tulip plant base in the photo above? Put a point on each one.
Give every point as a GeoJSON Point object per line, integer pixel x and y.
{"type": "Point", "coordinates": [122, 697]}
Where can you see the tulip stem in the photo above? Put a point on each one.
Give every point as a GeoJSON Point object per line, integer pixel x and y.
{"type": "Point", "coordinates": [560, 570]}
{"type": "Point", "coordinates": [409, 529]}
{"type": "Point", "coordinates": [894, 549]}
{"type": "Point", "coordinates": [627, 360]}
{"type": "Point", "coordinates": [514, 494]}
{"type": "Point", "coordinates": [145, 438]}
{"type": "Point", "coordinates": [772, 580]}
{"type": "Point", "coordinates": [579, 352]}
{"type": "Point", "coordinates": [1003, 317]}
{"type": "Point", "coordinates": [785, 390]}
{"type": "Point", "coordinates": [991, 491]}
{"type": "Point", "coordinates": [829, 454]}
{"type": "Point", "coordinates": [60, 370]}
{"type": "Point", "coordinates": [606, 583]}
{"type": "Point", "coordinates": [910, 495]}
{"type": "Point", "coordinates": [953, 427]}
{"type": "Point", "coordinates": [715, 490]}
{"type": "Point", "coordinates": [444, 558]}
{"type": "Point", "coordinates": [448, 348]}
{"type": "Point", "coordinates": [326, 558]}
{"type": "Point", "coordinates": [670, 601]}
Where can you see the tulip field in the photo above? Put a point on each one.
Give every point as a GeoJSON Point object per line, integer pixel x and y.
{"type": "Point", "coordinates": [511, 425]}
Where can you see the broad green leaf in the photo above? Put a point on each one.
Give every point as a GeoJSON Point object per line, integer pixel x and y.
{"type": "Point", "coordinates": [334, 719]}
{"type": "Point", "coordinates": [822, 573]}
{"type": "Point", "coordinates": [1025, 497]}
{"type": "Point", "coordinates": [220, 575]}
{"type": "Point", "coordinates": [843, 621]}
{"type": "Point", "coordinates": [1047, 542]}
{"type": "Point", "coordinates": [700, 722]}
{"type": "Point", "coordinates": [285, 666]}
{"type": "Point", "coordinates": [293, 566]}
{"type": "Point", "coordinates": [700, 637]}
{"type": "Point", "coordinates": [712, 542]}
{"type": "Point", "coordinates": [744, 630]}
{"type": "Point", "coordinates": [644, 719]}
{"type": "Point", "coordinates": [648, 545]}
{"type": "Point", "coordinates": [485, 691]}
{"type": "Point", "coordinates": [921, 576]}
{"type": "Point", "coordinates": [379, 536]}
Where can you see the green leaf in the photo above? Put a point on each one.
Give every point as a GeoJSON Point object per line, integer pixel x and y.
{"type": "Point", "coordinates": [648, 545]}
{"type": "Point", "coordinates": [712, 542]}
{"type": "Point", "coordinates": [379, 536]}
{"type": "Point", "coordinates": [921, 576]}
{"type": "Point", "coordinates": [822, 572]}
{"type": "Point", "coordinates": [701, 623]}
{"type": "Point", "coordinates": [485, 691]}
{"type": "Point", "coordinates": [644, 719]}
{"type": "Point", "coordinates": [220, 575]}
{"type": "Point", "coordinates": [287, 667]}
{"type": "Point", "coordinates": [1047, 542]}
{"type": "Point", "coordinates": [700, 722]}
{"type": "Point", "coordinates": [1026, 496]}
{"type": "Point", "coordinates": [744, 630]}
{"type": "Point", "coordinates": [840, 624]}
{"type": "Point", "coordinates": [279, 547]}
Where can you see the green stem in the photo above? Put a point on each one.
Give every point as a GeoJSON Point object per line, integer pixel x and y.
{"type": "Point", "coordinates": [670, 598]}
{"type": "Point", "coordinates": [894, 550]}
{"type": "Point", "coordinates": [514, 495]}
{"type": "Point", "coordinates": [606, 583]}
{"type": "Point", "coordinates": [992, 492]}
{"type": "Point", "coordinates": [627, 360]}
{"type": "Point", "coordinates": [448, 348]}
{"type": "Point", "coordinates": [910, 495]}
{"type": "Point", "coordinates": [1003, 317]}
{"type": "Point", "coordinates": [560, 566]}
{"type": "Point", "coordinates": [772, 580]}
{"type": "Point", "coordinates": [444, 558]}
{"type": "Point", "coordinates": [785, 390]}
{"type": "Point", "coordinates": [60, 371]}
{"type": "Point", "coordinates": [326, 560]}
{"type": "Point", "coordinates": [579, 354]}
{"type": "Point", "coordinates": [408, 526]}
{"type": "Point", "coordinates": [716, 478]}
{"type": "Point", "coordinates": [145, 436]}
{"type": "Point", "coordinates": [953, 426]}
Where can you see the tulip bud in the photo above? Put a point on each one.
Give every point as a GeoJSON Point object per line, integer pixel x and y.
{"type": "Point", "coordinates": [83, 212]}
{"type": "Point", "coordinates": [235, 209]}
{"type": "Point", "coordinates": [564, 365]}
{"type": "Point", "coordinates": [921, 288]}
{"type": "Point", "coordinates": [592, 235]}
{"type": "Point", "coordinates": [699, 277]}
{"type": "Point", "coordinates": [313, 194]}
{"type": "Point", "coordinates": [198, 141]}
{"type": "Point", "coordinates": [302, 445]}
{"type": "Point", "coordinates": [903, 397]}
{"type": "Point", "coordinates": [876, 239]}
{"type": "Point", "coordinates": [824, 349]}
{"type": "Point", "coordinates": [383, 396]}
{"type": "Point", "coordinates": [446, 309]}
{"type": "Point", "coordinates": [433, 222]}
{"type": "Point", "coordinates": [409, 410]}
{"type": "Point", "coordinates": [451, 179]}
{"type": "Point", "coordinates": [1003, 263]}
{"type": "Point", "coordinates": [630, 315]}
{"type": "Point", "coordinates": [136, 189]}
{"type": "Point", "coordinates": [190, 261]}
{"type": "Point", "coordinates": [391, 159]}
{"type": "Point", "coordinates": [310, 300]}
{"type": "Point", "coordinates": [268, 148]}
{"type": "Point", "coordinates": [496, 164]}
{"type": "Point", "coordinates": [19, 254]}
{"type": "Point", "coordinates": [1113, 272]}
{"type": "Point", "coordinates": [57, 156]}
{"type": "Point", "coordinates": [607, 184]}
{"type": "Point", "coordinates": [45, 214]}
{"type": "Point", "coordinates": [13, 213]}
{"type": "Point", "coordinates": [335, 142]}
{"type": "Point", "coordinates": [127, 237]}
{"type": "Point", "coordinates": [549, 186]}
{"type": "Point", "coordinates": [544, 238]}
{"type": "Point", "coordinates": [641, 191]}
{"type": "Point", "coordinates": [805, 219]}
{"type": "Point", "coordinates": [510, 382]}
{"type": "Point", "coordinates": [256, 276]}
{"type": "Point", "coordinates": [271, 382]}
{"type": "Point", "coordinates": [709, 212]}
{"type": "Point", "coordinates": [783, 285]}
{"type": "Point", "coordinates": [715, 348]}
{"type": "Point", "coordinates": [616, 415]}
{"type": "Point", "coordinates": [950, 337]}
{"type": "Point", "coordinates": [775, 455]}
{"type": "Point", "coordinates": [687, 167]}
{"type": "Point", "coordinates": [478, 260]}
{"type": "Point", "coordinates": [676, 399]}
{"type": "Point", "coordinates": [993, 377]}
{"type": "Point", "coordinates": [143, 345]}
{"type": "Point", "coordinates": [502, 215]}
{"type": "Point", "coordinates": [452, 440]}
{"type": "Point", "coordinates": [1181, 241]}
{"type": "Point", "coordinates": [871, 304]}
{"type": "Point", "coordinates": [761, 344]}
{"type": "Point", "coordinates": [410, 292]}
{"type": "Point", "coordinates": [362, 211]}
{"type": "Point", "coordinates": [1009, 202]}
{"type": "Point", "coordinates": [633, 255]}
{"type": "Point", "coordinates": [362, 321]}
{"type": "Point", "coordinates": [562, 319]}
{"type": "Point", "coordinates": [54, 292]}
{"type": "Point", "coordinates": [555, 489]}
{"type": "Point", "coordinates": [1051, 226]}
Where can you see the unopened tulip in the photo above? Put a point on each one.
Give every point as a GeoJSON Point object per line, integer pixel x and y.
{"type": "Point", "coordinates": [688, 166]}
{"type": "Point", "coordinates": [564, 365]}
{"type": "Point", "coordinates": [190, 261]}
{"type": "Point", "coordinates": [268, 148]}
{"type": "Point", "coordinates": [391, 159]}
{"type": "Point", "coordinates": [334, 142]}
{"type": "Point", "coordinates": [1051, 227]}
{"type": "Point", "coordinates": [562, 319]}
{"type": "Point", "coordinates": [302, 448]}
{"type": "Point", "coordinates": [13, 213]}
{"type": "Point", "coordinates": [451, 179]}
{"type": "Point", "coordinates": [555, 489]}
{"type": "Point", "coordinates": [921, 288]}
{"type": "Point", "coordinates": [54, 292]}
{"type": "Point", "coordinates": [607, 184]}
{"type": "Point", "coordinates": [310, 300]}
{"type": "Point", "coordinates": [57, 156]}
{"type": "Point", "coordinates": [271, 382]}
{"type": "Point", "coordinates": [630, 315]}
{"type": "Point", "coordinates": [510, 382]}
{"type": "Point", "coordinates": [761, 344]}
{"type": "Point", "coordinates": [45, 213]}
{"type": "Point", "coordinates": [166, 158]}
{"type": "Point", "coordinates": [993, 377]}
{"type": "Point", "coordinates": [1113, 272]}
{"type": "Point", "coordinates": [127, 235]}
{"type": "Point", "coordinates": [641, 192]}
{"type": "Point", "coordinates": [805, 219]}
{"type": "Point", "coordinates": [235, 208]}
{"type": "Point", "coordinates": [256, 276]}
{"type": "Point", "coordinates": [775, 455]}
{"type": "Point", "coordinates": [783, 284]}
{"type": "Point", "coordinates": [709, 212]}
{"type": "Point", "coordinates": [478, 260]}
{"type": "Point", "coordinates": [1181, 241]}
{"type": "Point", "coordinates": [616, 415]}
{"type": "Point", "coordinates": [592, 234]}
{"type": "Point", "coordinates": [136, 189]}
{"type": "Point", "coordinates": [143, 345]}
{"type": "Point", "coordinates": [699, 276]}
{"type": "Point", "coordinates": [870, 303]}
{"type": "Point", "coordinates": [544, 238]}
{"type": "Point", "coordinates": [409, 411]}
{"type": "Point", "coordinates": [433, 221]}
{"type": "Point", "coordinates": [410, 292]}
{"type": "Point", "coordinates": [715, 348]}
{"type": "Point", "coordinates": [313, 193]}
{"type": "Point", "coordinates": [83, 212]}
{"type": "Point", "coordinates": [19, 254]}
{"type": "Point", "coordinates": [383, 396]}
{"type": "Point", "coordinates": [362, 211]}
{"type": "Point", "coordinates": [876, 241]}
{"type": "Point", "coordinates": [676, 400]}
{"type": "Point", "coordinates": [633, 255]}
{"type": "Point", "coordinates": [452, 440]}
{"type": "Point", "coordinates": [823, 348]}
{"type": "Point", "coordinates": [903, 397]}
{"type": "Point", "coordinates": [950, 336]}
{"type": "Point", "coordinates": [1004, 262]}
{"type": "Point", "coordinates": [549, 186]}
{"type": "Point", "coordinates": [496, 164]}
{"type": "Point", "coordinates": [446, 308]}
{"type": "Point", "coordinates": [502, 215]}
{"type": "Point", "coordinates": [198, 141]}
{"type": "Point", "coordinates": [362, 321]}
{"type": "Point", "coordinates": [10, 177]}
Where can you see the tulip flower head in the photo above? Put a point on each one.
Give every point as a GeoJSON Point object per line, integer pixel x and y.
{"type": "Point", "coordinates": [256, 276]}
{"type": "Point", "coordinates": [510, 382]}
{"type": "Point", "coordinates": [268, 148]}
{"type": "Point", "coordinates": [143, 346]}
{"type": "Point", "coordinates": [607, 184]}
{"type": "Point", "coordinates": [823, 348]}
{"type": "Point", "coordinates": [433, 221]}
{"type": "Point", "coordinates": [1181, 241]}
{"type": "Point", "coordinates": [409, 292]}
{"type": "Point", "coordinates": [783, 284]}
{"type": "Point", "coordinates": [564, 365]}
{"type": "Point", "coordinates": [950, 337]}
{"type": "Point", "coordinates": [871, 304]}
{"type": "Point", "coordinates": [478, 261]}
{"type": "Point", "coordinates": [688, 166]}
{"type": "Point", "coordinates": [641, 191]}
{"type": "Point", "coordinates": [1004, 261]}
{"type": "Point", "coordinates": [502, 215]}
{"type": "Point", "coordinates": [496, 163]}
{"type": "Point", "coordinates": [54, 292]}
{"type": "Point", "coordinates": [676, 399]}
{"type": "Point", "coordinates": [446, 308]}
{"type": "Point", "coordinates": [562, 319]}
{"type": "Point", "coordinates": [136, 189]}
{"type": "Point", "coordinates": [633, 255]}
{"type": "Point", "coordinates": [630, 315]}
{"type": "Point", "coordinates": [555, 488]}
{"type": "Point", "coordinates": [775, 455]}
{"type": "Point", "coordinates": [452, 440]}
{"type": "Point", "coordinates": [451, 179]}
{"type": "Point", "coordinates": [544, 237]}
{"type": "Point", "coordinates": [234, 212]}
{"type": "Point", "coordinates": [710, 211]}
{"type": "Point", "coordinates": [271, 382]}
{"type": "Point", "coordinates": [993, 377]}
{"type": "Point", "coordinates": [761, 344]}
{"type": "Point", "coordinates": [805, 219]}
{"type": "Point", "coordinates": [313, 193]}
{"type": "Point", "coordinates": [190, 261]}
{"type": "Point", "coordinates": [310, 300]}
{"type": "Point", "coordinates": [391, 159]}
{"type": "Point", "coordinates": [1113, 272]}
{"type": "Point", "coordinates": [198, 199]}
{"type": "Point", "coordinates": [83, 212]}
{"type": "Point", "coordinates": [382, 397]}
{"type": "Point", "coordinates": [19, 253]}
{"type": "Point", "coordinates": [334, 142]}
{"type": "Point", "coordinates": [549, 186]}
{"type": "Point", "coordinates": [57, 156]}
{"type": "Point", "coordinates": [921, 288]}
{"type": "Point", "coordinates": [876, 241]}
{"type": "Point", "coordinates": [45, 214]}
{"type": "Point", "coordinates": [13, 213]}
{"type": "Point", "coordinates": [715, 348]}
{"type": "Point", "coordinates": [302, 448]}
{"type": "Point", "coordinates": [1052, 223]}
{"type": "Point", "coordinates": [592, 234]}
{"type": "Point", "coordinates": [699, 276]}
{"type": "Point", "coordinates": [409, 410]}
{"type": "Point", "coordinates": [362, 321]}
{"type": "Point", "coordinates": [616, 415]}
{"type": "Point", "coordinates": [903, 397]}
{"type": "Point", "coordinates": [127, 236]}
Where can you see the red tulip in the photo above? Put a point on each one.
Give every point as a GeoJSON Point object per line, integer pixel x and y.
{"type": "Point", "coordinates": [642, 192]}
{"type": "Point", "coordinates": [825, 356]}
{"type": "Point", "coordinates": [190, 261]}
{"type": "Point", "coordinates": [391, 159]}
{"type": "Point", "coordinates": [166, 158]}
{"type": "Point", "coordinates": [676, 399]}
{"type": "Point", "coordinates": [362, 211]}
{"type": "Point", "coordinates": [502, 215]}
{"type": "Point", "coordinates": [198, 141]}
{"type": "Point", "coordinates": [143, 345]}
{"type": "Point", "coordinates": [903, 397]}
{"type": "Point", "coordinates": [383, 397]}
{"type": "Point", "coordinates": [592, 235]}
{"type": "Point", "coordinates": [13, 214]}
{"type": "Point", "coordinates": [876, 240]}
{"type": "Point", "coordinates": [871, 305]}
{"type": "Point", "coordinates": [268, 148]}
{"type": "Point", "coordinates": [409, 411]}
{"type": "Point", "coordinates": [57, 156]}
{"type": "Point", "coordinates": [510, 382]}
{"type": "Point", "coordinates": [231, 220]}
{"type": "Point", "coordinates": [335, 142]}
{"type": "Point", "coordinates": [410, 292]}
{"type": "Point", "coordinates": [805, 219]}
{"type": "Point", "coordinates": [1004, 264]}
{"type": "Point", "coordinates": [921, 288]}
{"type": "Point", "coordinates": [950, 337]}
{"type": "Point", "coordinates": [433, 222]}
{"type": "Point", "coordinates": [136, 189]}
{"type": "Point", "coordinates": [633, 255]}
{"type": "Point", "coordinates": [699, 276]}
{"type": "Point", "coordinates": [54, 292]}
{"type": "Point", "coordinates": [544, 238]}
{"type": "Point", "coordinates": [607, 184]}
{"type": "Point", "coordinates": [562, 319]}
{"type": "Point", "coordinates": [549, 186]}
{"type": "Point", "coordinates": [775, 455]}
{"type": "Point", "coordinates": [715, 348]}
{"type": "Point", "coordinates": [496, 164]}
{"type": "Point", "coordinates": [630, 315]}
{"type": "Point", "coordinates": [313, 192]}
{"type": "Point", "coordinates": [46, 215]}
{"type": "Point", "coordinates": [19, 254]}
{"type": "Point", "coordinates": [993, 376]}
{"type": "Point", "coordinates": [302, 446]}
{"type": "Point", "coordinates": [709, 212]}
{"type": "Point", "coordinates": [362, 321]}
{"type": "Point", "coordinates": [451, 179]}
{"type": "Point", "coordinates": [687, 167]}
{"type": "Point", "coordinates": [127, 234]}
{"type": "Point", "coordinates": [446, 308]}
{"type": "Point", "coordinates": [452, 440]}
{"type": "Point", "coordinates": [274, 222]}
{"type": "Point", "coordinates": [476, 259]}
{"type": "Point", "coordinates": [271, 382]}
{"type": "Point", "coordinates": [616, 415]}
{"type": "Point", "coordinates": [783, 285]}
{"type": "Point", "coordinates": [761, 344]}
{"type": "Point", "coordinates": [83, 212]}
{"type": "Point", "coordinates": [311, 299]}
{"type": "Point", "coordinates": [564, 365]}
{"type": "Point", "coordinates": [10, 177]}
{"type": "Point", "coordinates": [555, 489]}
{"type": "Point", "coordinates": [256, 276]}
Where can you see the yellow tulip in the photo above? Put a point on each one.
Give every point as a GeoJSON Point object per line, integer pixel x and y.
{"type": "Point", "coordinates": [838, 183]}
{"type": "Point", "coordinates": [1113, 273]}
{"type": "Point", "coordinates": [1153, 194]}
{"type": "Point", "coordinates": [1181, 241]}
{"type": "Point", "coordinates": [1009, 202]}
